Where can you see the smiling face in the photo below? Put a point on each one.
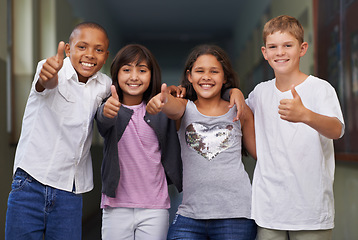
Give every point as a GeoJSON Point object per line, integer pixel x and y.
{"type": "Point", "coordinates": [283, 52]}
{"type": "Point", "coordinates": [134, 79]}
{"type": "Point", "coordinates": [88, 51]}
{"type": "Point", "coordinates": [207, 76]}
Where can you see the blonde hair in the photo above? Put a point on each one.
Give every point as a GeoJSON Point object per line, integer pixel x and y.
{"type": "Point", "coordinates": [284, 23]}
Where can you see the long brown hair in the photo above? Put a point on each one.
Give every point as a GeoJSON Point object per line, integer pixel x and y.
{"type": "Point", "coordinates": [229, 73]}
{"type": "Point", "coordinates": [136, 53]}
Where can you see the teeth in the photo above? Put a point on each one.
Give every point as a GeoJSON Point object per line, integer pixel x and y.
{"type": "Point", "coordinates": [281, 61]}
{"type": "Point", "coordinates": [88, 64]}
{"type": "Point", "coordinates": [133, 85]}
{"type": "Point", "coordinates": [205, 85]}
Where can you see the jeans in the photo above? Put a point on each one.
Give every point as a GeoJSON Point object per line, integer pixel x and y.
{"type": "Point", "coordinates": [36, 211]}
{"type": "Point", "coordinates": [213, 229]}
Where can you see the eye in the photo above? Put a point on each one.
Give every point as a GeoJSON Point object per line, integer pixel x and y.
{"type": "Point", "coordinates": [99, 50]}
{"type": "Point", "coordinates": [272, 47]}
{"type": "Point", "coordinates": [288, 45]}
{"type": "Point", "coordinates": [143, 70]}
{"type": "Point", "coordinates": [81, 47]}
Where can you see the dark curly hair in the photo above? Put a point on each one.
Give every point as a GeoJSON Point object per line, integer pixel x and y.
{"type": "Point", "coordinates": [206, 49]}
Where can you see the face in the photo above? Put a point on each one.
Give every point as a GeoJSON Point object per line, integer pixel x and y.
{"type": "Point", "coordinates": [87, 51]}
{"type": "Point", "coordinates": [283, 52]}
{"type": "Point", "coordinates": [134, 80]}
{"type": "Point", "coordinates": [207, 76]}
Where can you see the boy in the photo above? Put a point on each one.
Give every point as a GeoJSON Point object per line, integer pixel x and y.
{"type": "Point", "coordinates": [296, 119]}
{"type": "Point", "coordinates": [53, 165]}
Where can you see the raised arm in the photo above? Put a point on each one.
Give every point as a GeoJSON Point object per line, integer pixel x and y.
{"type": "Point", "coordinates": [48, 77]}
{"type": "Point", "coordinates": [164, 102]}
{"type": "Point", "coordinates": [293, 110]}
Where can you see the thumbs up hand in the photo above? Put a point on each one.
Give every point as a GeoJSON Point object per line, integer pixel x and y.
{"type": "Point", "coordinates": [112, 105]}
{"type": "Point", "coordinates": [292, 110]}
{"type": "Point", "coordinates": [156, 104]}
{"type": "Point", "coordinates": [48, 77]}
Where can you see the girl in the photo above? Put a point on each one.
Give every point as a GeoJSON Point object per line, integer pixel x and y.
{"type": "Point", "coordinates": [141, 151]}
{"type": "Point", "coordinates": [216, 188]}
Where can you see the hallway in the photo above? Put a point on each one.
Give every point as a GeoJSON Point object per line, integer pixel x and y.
{"type": "Point", "coordinates": [31, 29]}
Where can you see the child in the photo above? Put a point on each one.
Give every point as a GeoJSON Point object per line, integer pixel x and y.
{"type": "Point", "coordinates": [296, 118]}
{"type": "Point", "coordinates": [141, 151]}
{"type": "Point", "coordinates": [53, 164]}
{"type": "Point", "coordinates": [216, 188]}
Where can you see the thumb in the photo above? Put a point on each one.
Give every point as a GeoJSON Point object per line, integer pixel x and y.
{"type": "Point", "coordinates": [294, 93]}
{"type": "Point", "coordinates": [164, 92]}
{"type": "Point", "coordinates": [60, 52]}
{"type": "Point", "coordinates": [114, 92]}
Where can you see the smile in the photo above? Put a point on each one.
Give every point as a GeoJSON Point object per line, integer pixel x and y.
{"type": "Point", "coordinates": [281, 60]}
{"type": "Point", "coordinates": [87, 64]}
{"type": "Point", "coordinates": [133, 85]}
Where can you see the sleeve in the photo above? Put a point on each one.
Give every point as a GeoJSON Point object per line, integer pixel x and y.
{"type": "Point", "coordinates": [36, 78]}
{"type": "Point", "coordinates": [329, 104]}
{"type": "Point", "coordinates": [103, 123]}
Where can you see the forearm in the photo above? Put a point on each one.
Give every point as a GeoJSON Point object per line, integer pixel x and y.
{"type": "Point", "coordinates": [174, 108]}
{"type": "Point", "coordinates": [248, 132]}
{"type": "Point", "coordinates": [329, 127]}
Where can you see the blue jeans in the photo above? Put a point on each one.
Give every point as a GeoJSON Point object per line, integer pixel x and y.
{"type": "Point", "coordinates": [213, 229]}
{"type": "Point", "coordinates": [36, 211]}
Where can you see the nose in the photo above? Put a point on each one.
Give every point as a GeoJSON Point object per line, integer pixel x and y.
{"type": "Point", "coordinates": [206, 76]}
{"type": "Point", "coordinates": [280, 51]}
{"type": "Point", "coordinates": [134, 75]}
{"type": "Point", "coordinates": [90, 53]}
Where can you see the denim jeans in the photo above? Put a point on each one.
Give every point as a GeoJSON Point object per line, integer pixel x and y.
{"type": "Point", "coordinates": [213, 229]}
{"type": "Point", "coordinates": [36, 211]}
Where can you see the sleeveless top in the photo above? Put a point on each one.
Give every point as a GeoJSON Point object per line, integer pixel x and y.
{"type": "Point", "coordinates": [215, 183]}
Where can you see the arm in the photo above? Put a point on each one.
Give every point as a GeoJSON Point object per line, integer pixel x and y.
{"type": "Point", "coordinates": [293, 110]}
{"type": "Point", "coordinates": [173, 107]}
{"type": "Point", "coordinates": [112, 105]}
{"type": "Point", "coordinates": [248, 131]}
{"type": "Point", "coordinates": [235, 97]}
{"type": "Point", "coordinates": [48, 77]}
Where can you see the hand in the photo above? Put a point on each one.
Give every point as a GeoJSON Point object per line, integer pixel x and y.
{"type": "Point", "coordinates": [237, 98]}
{"type": "Point", "coordinates": [48, 77]}
{"type": "Point", "coordinates": [156, 104]}
{"type": "Point", "coordinates": [292, 110]}
{"type": "Point", "coordinates": [177, 91]}
{"type": "Point", "coordinates": [112, 105]}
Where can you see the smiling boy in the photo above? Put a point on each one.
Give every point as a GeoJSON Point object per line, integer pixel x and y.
{"type": "Point", "coordinates": [53, 165]}
{"type": "Point", "coordinates": [296, 119]}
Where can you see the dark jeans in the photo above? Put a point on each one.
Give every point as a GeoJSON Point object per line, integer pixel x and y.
{"type": "Point", "coordinates": [213, 229]}
{"type": "Point", "coordinates": [35, 211]}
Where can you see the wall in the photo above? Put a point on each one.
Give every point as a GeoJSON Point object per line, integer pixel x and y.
{"type": "Point", "coordinates": [5, 162]}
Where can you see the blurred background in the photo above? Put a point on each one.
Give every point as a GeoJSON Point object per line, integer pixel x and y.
{"type": "Point", "coordinates": [31, 29]}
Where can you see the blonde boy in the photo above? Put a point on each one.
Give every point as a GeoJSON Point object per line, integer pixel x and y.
{"type": "Point", "coordinates": [53, 166]}
{"type": "Point", "coordinates": [296, 119]}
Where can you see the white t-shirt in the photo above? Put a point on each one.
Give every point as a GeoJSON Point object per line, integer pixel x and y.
{"type": "Point", "coordinates": [56, 135]}
{"type": "Point", "coordinates": [293, 178]}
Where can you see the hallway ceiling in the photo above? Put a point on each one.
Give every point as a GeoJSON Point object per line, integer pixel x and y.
{"type": "Point", "coordinates": [184, 20]}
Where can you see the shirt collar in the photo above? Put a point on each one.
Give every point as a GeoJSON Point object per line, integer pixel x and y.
{"type": "Point", "coordinates": [70, 73]}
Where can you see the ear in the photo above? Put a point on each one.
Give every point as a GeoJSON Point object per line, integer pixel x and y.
{"type": "Point", "coordinates": [107, 54]}
{"type": "Point", "coordinates": [263, 50]}
{"type": "Point", "coordinates": [188, 75]}
{"type": "Point", "coordinates": [67, 49]}
{"type": "Point", "coordinates": [304, 48]}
